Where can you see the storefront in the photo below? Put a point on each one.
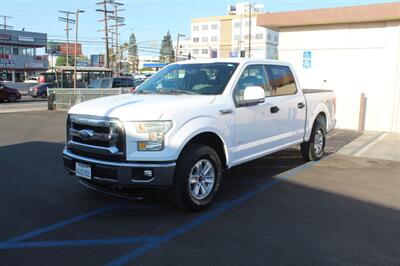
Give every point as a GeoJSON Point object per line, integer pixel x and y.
{"type": "Point", "coordinates": [18, 54]}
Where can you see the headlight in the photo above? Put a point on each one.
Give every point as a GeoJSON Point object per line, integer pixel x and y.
{"type": "Point", "coordinates": [154, 134]}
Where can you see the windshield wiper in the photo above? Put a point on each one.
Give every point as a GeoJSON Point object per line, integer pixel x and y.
{"type": "Point", "coordinates": [176, 91]}
{"type": "Point", "coordinates": [144, 92]}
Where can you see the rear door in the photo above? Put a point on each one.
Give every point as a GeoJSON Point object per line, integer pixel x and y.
{"type": "Point", "coordinates": [291, 104]}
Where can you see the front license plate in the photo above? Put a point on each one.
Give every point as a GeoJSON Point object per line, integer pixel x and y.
{"type": "Point", "coordinates": [83, 170]}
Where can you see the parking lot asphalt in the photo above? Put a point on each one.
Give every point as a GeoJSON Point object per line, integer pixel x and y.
{"type": "Point", "coordinates": [277, 210]}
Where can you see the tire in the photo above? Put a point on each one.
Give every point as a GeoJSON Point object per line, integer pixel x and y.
{"type": "Point", "coordinates": [193, 158]}
{"type": "Point", "coordinates": [313, 150]}
{"type": "Point", "coordinates": [43, 95]}
{"type": "Point", "coordinates": [12, 98]}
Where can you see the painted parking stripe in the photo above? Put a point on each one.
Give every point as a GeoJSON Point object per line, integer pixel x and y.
{"type": "Point", "coordinates": [133, 254]}
{"type": "Point", "coordinates": [364, 149]}
{"type": "Point", "coordinates": [58, 225]}
{"type": "Point", "coordinates": [75, 243]}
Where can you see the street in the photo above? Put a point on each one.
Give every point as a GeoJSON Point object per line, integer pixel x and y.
{"type": "Point", "coordinates": [27, 103]}
{"type": "Point", "coordinates": [277, 210]}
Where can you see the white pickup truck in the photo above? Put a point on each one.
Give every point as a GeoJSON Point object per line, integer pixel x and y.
{"type": "Point", "coordinates": [191, 121]}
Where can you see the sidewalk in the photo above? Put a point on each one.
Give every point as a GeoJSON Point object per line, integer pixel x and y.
{"type": "Point", "coordinates": [377, 145]}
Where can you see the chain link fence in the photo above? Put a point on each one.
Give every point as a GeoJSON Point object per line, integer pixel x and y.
{"type": "Point", "coordinates": [64, 99]}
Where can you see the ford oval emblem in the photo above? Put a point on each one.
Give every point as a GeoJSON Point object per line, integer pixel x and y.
{"type": "Point", "coordinates": [86, 134]}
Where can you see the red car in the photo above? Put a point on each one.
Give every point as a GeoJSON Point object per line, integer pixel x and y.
{"type": "Point", "coordinates": [8, 94]}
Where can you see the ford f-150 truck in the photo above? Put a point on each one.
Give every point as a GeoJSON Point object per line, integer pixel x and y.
{"type": "Point", "coordinates": [191, 121]}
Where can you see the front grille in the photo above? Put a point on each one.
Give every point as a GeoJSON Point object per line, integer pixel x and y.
{"type": "Point", "coordinates": [95, 135]}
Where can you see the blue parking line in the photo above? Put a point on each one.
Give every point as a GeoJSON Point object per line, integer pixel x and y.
{"type": "Point", "coordinates": [133, 254]}
{"type": "Point", "coordinates": [74, 243]}
{"type": "Point", "coordinates": [58, 225]}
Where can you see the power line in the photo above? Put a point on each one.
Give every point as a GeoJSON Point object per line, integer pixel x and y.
{"type": "Point", "coordinates": [67, 21]}
{"type": "Point", "coordinates": [105, 12]}
{"type": "Point", "coordinates": [4, 25]}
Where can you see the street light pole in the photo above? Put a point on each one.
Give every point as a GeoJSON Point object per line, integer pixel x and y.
{"type": "Point", "coordinates": [177, 46]}
{"type": "Point", "coordinates": [76, 43]}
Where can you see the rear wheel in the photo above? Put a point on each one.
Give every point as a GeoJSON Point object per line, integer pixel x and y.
{"type": "Point", "coordinates": [197, 178]}
{"type": "Point", "coordinates": [43, 94]}
{"type": "Point", "coordinates": [314, 149]}
{"type": "Point", "coordinates": [12, 98]}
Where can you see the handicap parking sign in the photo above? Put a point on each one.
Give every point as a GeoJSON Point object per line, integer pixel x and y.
{"type": "Point", "coordinates": [307, 59]}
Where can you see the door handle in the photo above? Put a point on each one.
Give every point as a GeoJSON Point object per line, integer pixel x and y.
{"type": "Point", "coordinates": [274, 109]}
{"type": "Point", "coordinates": [301, 105]}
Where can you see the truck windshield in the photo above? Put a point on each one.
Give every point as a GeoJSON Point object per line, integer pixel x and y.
{"type": "Point", "coordinates": [204, 79]}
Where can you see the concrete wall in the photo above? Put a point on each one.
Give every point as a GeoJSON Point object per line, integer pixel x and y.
{"type": "Point", "coordinates": [351, 59]}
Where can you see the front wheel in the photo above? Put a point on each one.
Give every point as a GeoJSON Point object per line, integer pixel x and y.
{"type": "Point", "coordinates": [314, 149]}
{"type": "Point", "coordinates": [197, 178]}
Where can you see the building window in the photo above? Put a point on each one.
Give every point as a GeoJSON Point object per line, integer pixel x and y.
{"type": "Point", "coordinates": [214, 26]}
{"type": "Point", "coordinates": [237, 24]}
{"type": "Point", "coordinates": [204, 39]}
{"type": "Point", "coordinates": [7, 49]}
{"type": "Point", "coordinates": [196, 39]}
{"type": "Point", "coordinates": [214, 38]}
{"type": "Point", "coordinates": [269, 36]}
{"type": "Point", "coordinates": [204, 27]}
{"type": "Point", "coordinates": [259, 36]}
{"type": "Point", "coordinates": [15, 50]}
{"type": "Point", "coordinates": [196, 28]}
{"type": "Point", "coordinates": [195, 51]}
{"type": "Point", "coordinates": [204, 51]}
{"type": "Point", "coordinates": [276, 38]}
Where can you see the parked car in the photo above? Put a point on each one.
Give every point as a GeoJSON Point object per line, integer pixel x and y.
{"type": "Point", "coordinates": [32, 80]}
{"type": "Point", "coordinates": [40, 90]}
{"type": "Point", "coordinates": [8, 94]}
{"type": "Point", "coordinates": [191, 121]}
{"type": "Point", "coordinates": [108, 83]}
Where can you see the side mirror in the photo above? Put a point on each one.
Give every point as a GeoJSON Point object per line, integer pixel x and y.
{"type": "Point", "coordinates": [253, 95]}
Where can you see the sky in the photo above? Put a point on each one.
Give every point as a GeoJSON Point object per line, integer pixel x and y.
{"type": "Point", "coordinates": [149, 20]}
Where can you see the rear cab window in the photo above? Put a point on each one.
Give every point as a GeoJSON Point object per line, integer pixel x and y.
{"type": "Point", "coordinates": [282, 79]}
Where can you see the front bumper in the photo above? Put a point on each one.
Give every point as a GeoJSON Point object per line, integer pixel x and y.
{"type": "Point", "coordinates": [123, 175]}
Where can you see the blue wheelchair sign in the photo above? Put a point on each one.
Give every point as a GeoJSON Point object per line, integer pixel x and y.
{"type": "Point", "coordinates": [307, 59]}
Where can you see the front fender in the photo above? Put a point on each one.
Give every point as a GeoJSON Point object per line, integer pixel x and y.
{"type": "Point", "coordinates": [196, 126]}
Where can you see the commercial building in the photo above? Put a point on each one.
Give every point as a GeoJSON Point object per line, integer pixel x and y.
{"type": "Point", "coordinates": [18, 56]}
{"type": "Point", "coordinates": [351, 50]}
{"type": "Point", "coordinates": [233, 35]}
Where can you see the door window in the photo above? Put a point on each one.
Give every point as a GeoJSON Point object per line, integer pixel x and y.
{"type": "Point", "coordinates": [253, 75]}
{"type": "Point", "coordinates": [105, 83]}
{"type": "Point", "coordinates": [283, 82]}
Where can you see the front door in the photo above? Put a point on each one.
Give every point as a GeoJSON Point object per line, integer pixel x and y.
{"type": "Point", "coordinates": [257, 125]}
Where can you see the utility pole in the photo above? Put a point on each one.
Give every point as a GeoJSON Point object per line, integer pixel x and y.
{"type": "Point", "coordinates": [76, 42]}
{"type": "Point", "coordinates": [67, 21]}
{"type": "Point", "coordinates": [250, 6]}
{"type": "Point", "coordinates": [118, 22]}
{"type": "Point", "coordinates": [177, 46]}
{"type": "Point", "coordinates": [105, 20]}
{"type": "Point", "coordinates": [4, 25]}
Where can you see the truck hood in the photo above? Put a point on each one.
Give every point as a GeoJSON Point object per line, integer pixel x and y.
{"type": "Point", "coordinates": [130, 107]}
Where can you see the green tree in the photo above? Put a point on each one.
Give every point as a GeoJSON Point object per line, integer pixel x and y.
{"type": "Point", "coordinates": [167, 53]}
{"type": "Point", "coordinates": [62, 61]}
{"type": "Point", "coordinates": [133, 52]}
